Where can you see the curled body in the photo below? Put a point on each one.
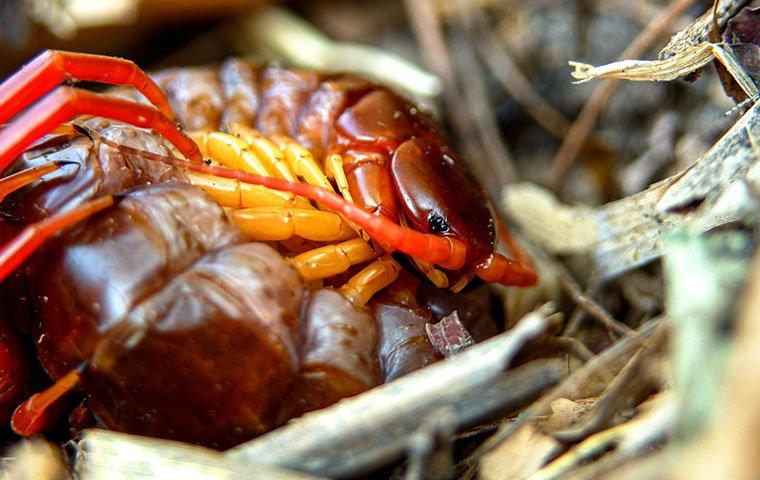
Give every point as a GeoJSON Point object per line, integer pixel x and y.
{"type": "Point", "coordinates": [179, 326]}
{"type": "Point", "coordinates": [396, 160]}
{"type": "Point", "coordinates": [187, 330]}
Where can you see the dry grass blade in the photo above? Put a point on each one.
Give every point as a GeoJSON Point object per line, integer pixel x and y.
{"type": "Point", "coordinates": [728, 448]}
{"type": "Point", "coordinates": [584, 382]}
{"type": "Point", "coordinates": [586, 120]}
{"type": "Point", "coordinates": [627, 233]}
{"type": "Point", "coordinates": [671, 68]}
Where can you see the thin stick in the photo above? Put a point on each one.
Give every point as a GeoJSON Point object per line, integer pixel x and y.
{"type": "Point", "coordinates": [586, 120]}
{"type": "Point", "coordinates": [587, 303]}
{"type": "Point", "coordinates": [102, 455]}
{"type": "Point", "coordinates": [475, 90]}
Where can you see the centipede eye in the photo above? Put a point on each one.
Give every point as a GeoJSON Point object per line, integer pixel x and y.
{"type": "Point", "coordinates": [437, 223]}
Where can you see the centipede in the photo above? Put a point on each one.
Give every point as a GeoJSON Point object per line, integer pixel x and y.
{"type": "Point", "coordinates": [203, 253]}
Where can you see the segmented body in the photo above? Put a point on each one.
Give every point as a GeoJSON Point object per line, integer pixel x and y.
{"type": "Point", "coordinates": [188, 331]}
{"type": "Point", "coordinates": [396, 159]}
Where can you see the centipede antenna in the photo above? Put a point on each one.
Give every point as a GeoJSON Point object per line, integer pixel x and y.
{"type": "Point", "coordinates": [53, 67]}
{"type": "Point", "coordinates": [517, 271]}
{"type": "Point", "coordinates": [447, 252]}
{"type": "Point", "coordinates": [507, 271]}
{"type": "Point", "coordinates": [65, 103]}
{"type": "Point", "coordinates": [15, 252]}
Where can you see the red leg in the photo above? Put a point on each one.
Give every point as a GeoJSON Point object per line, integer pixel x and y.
{"type": "Point", "coordinates": [11, 183]}
{"type": "Point", "coordinates": [15, 252]}
{"type": "Point", "coordinates": [40, 411]}
{"type": "Point", "coordinates": [447, 252]}
{"type": "Point", "coordinates": [66, 103]}
{"type": "Point", "coordinates": [52, 67]}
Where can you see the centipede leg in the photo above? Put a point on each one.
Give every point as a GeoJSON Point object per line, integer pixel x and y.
{"type": "Point", "coordinates": [370, 280]}
{"type": "Point", "coordinates": [15, 252]}
{"type": "Point", "coordinates": [280, 223]}
{"type": "Point", "coordinates": [507, 271]}
{"type": "Point", "coordinates": [331, 260]}
{"type": "Point", "coordinates": [334, 168]}
{"type": "Point", "coordinates": [18, 180]}
{"type": "Point", "coordinates": [260, 158]}
{"type": "Point", "coordinates": [53, 67]}
{"type": "Point", "coordinates": [41, 410]}
{"type": "Point", "coordinates": [234, 194]}
{"type": "Point", "coordinates": [65, 103]}
{"type": "Point", "coordinates": [231, 152]}
{"type": "Point", "coordinates": [264, 148]}
{"type": "Point", "coordinates": [518, 271]}
{"type": "Point", "coordinates": [450, 253]}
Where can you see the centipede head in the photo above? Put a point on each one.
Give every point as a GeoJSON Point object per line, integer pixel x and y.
{"type": "Point", "coordinates": [437, 194]}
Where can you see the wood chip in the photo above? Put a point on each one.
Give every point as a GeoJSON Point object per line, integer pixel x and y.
{"type": "Point", "coordinates": [449, 336]}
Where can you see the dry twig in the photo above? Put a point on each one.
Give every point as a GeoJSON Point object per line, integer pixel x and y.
{"type": "Point", "coordinates": [587, 303]}
{"type": "Point", "coordinates": [586, 120]}
{"type": "Point", "coordinates": [104, 455]}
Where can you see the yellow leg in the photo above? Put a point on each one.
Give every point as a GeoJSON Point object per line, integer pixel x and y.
{"type": "Point", "coordinates": [334, 167]}
{"type": "Point", "coordinates": [234, 194]}
{"type": "Point", "coordinates": [235, 153]}
{"type": "Point", "coordinates": [265, 149]}
{"type": "Point", "coordinates": [303, 164]}
{"type": "Point", "coordinates": [231, 152]}
{"type": "Point", "coordinates": [280, 223]}
{"type": "Point", "coordinates": [436, 276]}
{"type": "Point", "coordinates": [463, 282]}
{"type": "Point", "coordinates": [331, 260]}
{"type": "Point", "coordinates": [373, 278]}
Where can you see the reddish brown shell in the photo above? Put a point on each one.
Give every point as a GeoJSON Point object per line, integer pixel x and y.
{"type": "Point", "coordinates": [191, 333]}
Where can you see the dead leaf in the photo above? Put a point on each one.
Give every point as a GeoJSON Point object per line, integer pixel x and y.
{"type": "Point", "coordinates": [567, 413]}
